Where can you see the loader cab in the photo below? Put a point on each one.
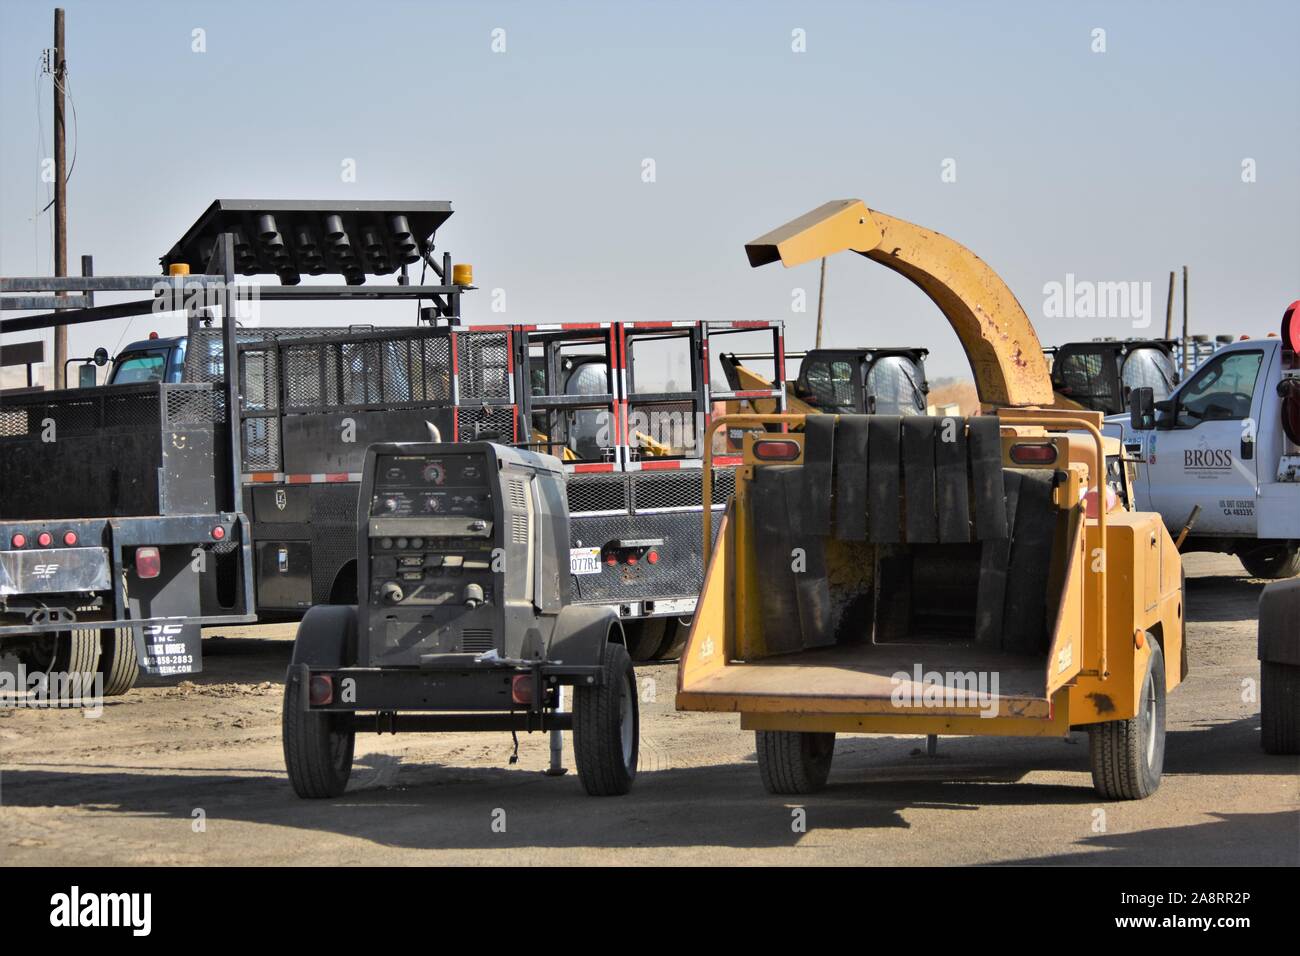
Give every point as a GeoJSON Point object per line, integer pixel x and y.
{"type": "Point", "coordinates": [864, 381]}
{"type": "Point", "coordinates": [1101, 375]}
{"type": "Point", "coordinates": [149, 360]}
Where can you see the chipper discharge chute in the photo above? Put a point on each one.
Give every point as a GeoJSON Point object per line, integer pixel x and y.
{"type": "Point", "coordinates": [935, 575]}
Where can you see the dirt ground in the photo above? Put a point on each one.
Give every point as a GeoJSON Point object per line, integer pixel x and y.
{"type": "Point", "coordinates": [193, 774]}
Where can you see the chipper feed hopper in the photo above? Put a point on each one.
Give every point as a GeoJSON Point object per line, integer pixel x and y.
{"type": "Point", "coordinates": [937, 576]}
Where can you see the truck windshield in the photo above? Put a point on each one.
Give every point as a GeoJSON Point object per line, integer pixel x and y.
{"type": "Point", "coordinates": [140, 367]}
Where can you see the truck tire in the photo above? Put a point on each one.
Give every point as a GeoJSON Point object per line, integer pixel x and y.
{"type": "Point", "coordinates": [117, 661]}
{"type": "Point", "coordinates": [644, 637]}
{"type": "Point", "coordinates": [71, 652]}
{"type": "Point", "coordinates": [792, 761]}
{"type": "Point", "coordinates": [317, 754]}
{"type": "Point", "coordinates": [1279, 706]}
{"type": "Point", "coordinates": [607, 727]}
{"type": "Point", "coordinates": [1272, 563]}
{"type": "Point", "coordinates": [674, 641]}
{"type": "Point", "coordinates": [1128, 756]}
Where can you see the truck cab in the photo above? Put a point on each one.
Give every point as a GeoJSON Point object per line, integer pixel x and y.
{"type": "Point", "coordinates": [154, 359]}
{"type": "Point", "coordinates": [1099, 375]}
{"type": "Point", "coordinates": [861, 381]}
{"type": "Point", "coordinates": [1221, 443]}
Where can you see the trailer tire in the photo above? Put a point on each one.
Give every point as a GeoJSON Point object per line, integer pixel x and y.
{"type": "Point", "coordinates": [117, 660]}
{"type": "Point", "coordinates": [1272, 563]}
{"type": "Point", "coordinates": [607, 728]}
{"type": "Point", "coordinates": [1128, 756]}
{"type": "Point", "coordinates": [317, 754]}
{"type": "Point", "coordinates": [793, 761]}
{"type": "Point", "coordinates": [1279, 707]}
{"type": "Point", "coordinates": [644, 637]}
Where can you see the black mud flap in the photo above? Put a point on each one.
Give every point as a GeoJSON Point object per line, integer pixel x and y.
{"type": "Point", "coordinates": [169, 650]}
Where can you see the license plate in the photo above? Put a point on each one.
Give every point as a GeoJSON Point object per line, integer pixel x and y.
{"type": "Point", "coordinates": [584, 560]}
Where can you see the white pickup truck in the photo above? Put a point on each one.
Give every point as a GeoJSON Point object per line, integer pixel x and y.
{"type": "Point", "coordinates": [1227, 440]}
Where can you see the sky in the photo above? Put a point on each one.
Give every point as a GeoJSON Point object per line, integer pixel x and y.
{"type": "Point", "coordinates": [1064, 143]}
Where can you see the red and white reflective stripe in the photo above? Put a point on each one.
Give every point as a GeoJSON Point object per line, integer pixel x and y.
{"type": "Point", "coordinates": [586, 468]}
{"type": "Point", "coordinates": [681, 464]}
{"type": "Point", "coordinates": [316, 478]}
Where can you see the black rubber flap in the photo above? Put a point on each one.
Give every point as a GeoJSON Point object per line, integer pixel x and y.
{"type": "Point", "coordinates": [995, 556]}
{"type": "Point", "coordinates": [918, 479]}
{"type": "Point", "coordinates": [1025, 627]}
{"type": "Point", "coordinates": [986, 478]}
{"type": "Point", "coordinates": [818, 459]}
{"type": "Point", "coordinates": [781, 628]}
{"type": "Point", "coordinates": [851, 478]}
{"type": "Point", "coordinates": [807, 560]}
{"type": "Point", "coordinates": [952, 497]}
{"type": "Point", "coordinates": [884, 525]}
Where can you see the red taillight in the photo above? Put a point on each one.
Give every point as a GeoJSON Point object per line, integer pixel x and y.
{"type": "Point", "coordinates": [44, 539]}
{"type": "Point", "coordinates": [611, 561]}
{"type": "Point", "coordinates": [218, 533]}
{"type": "Point", "coordinates": [70, 538]}
{"type": "Point", "coordinates": [521, 689]}
{"type": "Point", "coordinates": [771, 449]}
{"type": "Point", "coordinates": [320, 690]}
{"type": "Point", "coordinates": [653, 557]}
{"type": "Point", "coordinates": [19, 540]}
{"type": "Point", "coordinates": [148, 563]}
{"type": "Point", "coordinates": [631, 559]}
{"type": "Point", "coordinates": [1033, 454]}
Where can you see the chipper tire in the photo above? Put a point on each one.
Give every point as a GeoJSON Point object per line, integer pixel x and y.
{"type": "Point", "coordinates": [607, 727]}
{"type": "Point", "coordinates": [117, 660]}
{"type": "Point", "coordinates": [793, 762]}
{"type": "Point", "coordinates": [1128, 756]}
{"type": "Point", "coordinates": [1279, 706]}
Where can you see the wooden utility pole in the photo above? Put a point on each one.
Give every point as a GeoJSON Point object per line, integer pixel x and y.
{"type": "Point", "coordinates": [1187, 339]}
{"type": "Point", "coordinates": [821, 295]}
{"type": "Point", "coordinates": [60, 192]}
{"type": "Point", "coordinates": [1169, 309]}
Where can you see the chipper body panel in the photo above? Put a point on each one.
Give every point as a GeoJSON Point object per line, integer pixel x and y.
{"type": "Point", "coordinates": [935, 575]}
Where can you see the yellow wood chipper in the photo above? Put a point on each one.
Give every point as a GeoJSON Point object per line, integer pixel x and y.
{"type": "Point", "coordinates": [935, 575]}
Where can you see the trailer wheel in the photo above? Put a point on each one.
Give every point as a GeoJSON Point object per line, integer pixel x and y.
{"type": "Point", "coordinates": [792, 761]}
{"type": "Point", "coordinates": [645, 636]}
{"type": "Point", "coordinates": [317, 754]}
{"type": "Point", "coordinates": [1128, 756]}
{"type": "Point", "coordinates": [117, 660]}
{"type": "Point", "coordinates": [607, 727]}
{"type": "Point", "coordinates": [1272, 562]}
{"type": "Point", "coordinates": [1279, 706]}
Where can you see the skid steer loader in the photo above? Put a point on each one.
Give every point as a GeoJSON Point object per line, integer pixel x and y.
{"type": "Point", "coordinates": [935, 575]}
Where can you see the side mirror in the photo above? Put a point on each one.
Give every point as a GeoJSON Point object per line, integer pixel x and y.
{"type": "Point", "coordinates": [87, 377]}
{"type": "Point", "coordinates": [101, 356]}
{"type": "Point", "coordinates": [1142, 409]}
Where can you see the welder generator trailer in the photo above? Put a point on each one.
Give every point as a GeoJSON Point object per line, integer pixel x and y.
{"type": "Point", "coordinates": [464, 623]}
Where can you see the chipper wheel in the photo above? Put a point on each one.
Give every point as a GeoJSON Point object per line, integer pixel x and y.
{"type": "Point", "coordinates": [117, 660]}
{"type": "Point", "coordinates": [607, 727]}
{"type": "Point", "coordinates": [792, 761]}
{"type": "Point", "coordinates": [1128, 756]}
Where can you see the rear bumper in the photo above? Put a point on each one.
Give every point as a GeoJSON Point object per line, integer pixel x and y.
{"type": "Point", "coordinates": [481, 688]}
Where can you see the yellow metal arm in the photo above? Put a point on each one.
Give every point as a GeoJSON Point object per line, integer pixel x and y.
{"type": "Point", "coordinates": [1000, 342]}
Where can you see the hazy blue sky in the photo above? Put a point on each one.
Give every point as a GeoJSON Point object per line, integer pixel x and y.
{"type": "Point", "coordinates": [1114, 166]}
